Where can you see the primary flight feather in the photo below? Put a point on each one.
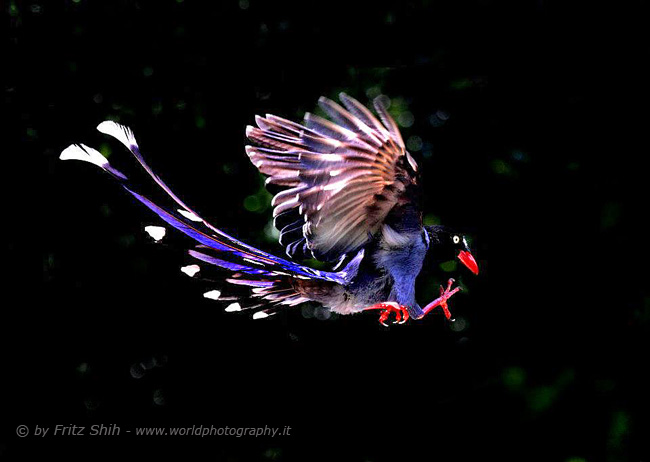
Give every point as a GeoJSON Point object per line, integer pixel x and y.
{"type": "Point", "coordinates": [350, 198]}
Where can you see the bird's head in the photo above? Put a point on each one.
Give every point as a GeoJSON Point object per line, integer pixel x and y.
{"type": "Point", "coordinates": [448, 244]}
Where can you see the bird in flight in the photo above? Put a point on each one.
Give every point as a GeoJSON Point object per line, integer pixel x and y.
{"type": "Point", "coordinates": [348, 196]}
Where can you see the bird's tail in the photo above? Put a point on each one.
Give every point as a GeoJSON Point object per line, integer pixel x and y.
{"type": "Point", "coordinates": [269, 280]}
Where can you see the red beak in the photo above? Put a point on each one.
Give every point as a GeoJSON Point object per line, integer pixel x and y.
{"type": "Point", "coordinates": [468, 260]}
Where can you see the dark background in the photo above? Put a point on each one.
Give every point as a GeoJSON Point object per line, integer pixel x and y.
{"type": "Point", "coordinates": [529, 121]}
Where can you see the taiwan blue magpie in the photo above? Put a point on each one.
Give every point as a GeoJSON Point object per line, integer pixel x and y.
{"type": "Point", "coordinates": [349, 197]}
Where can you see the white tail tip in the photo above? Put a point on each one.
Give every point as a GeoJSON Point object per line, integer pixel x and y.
{"type": "Point", "coordinates": [156, 232]}
{"type": "Point", "coordinates": [120, 132]}
{"type": "Point", "coordinates": [191, 270]}
{"type": "Point", "coordinates": [213, 294]}
{"type": "Point", "coordinates": [233, 307]}
{"type": "Point", "coordinates": [84, 153]}
{"type": "Point", "coordinates": [260, 315]}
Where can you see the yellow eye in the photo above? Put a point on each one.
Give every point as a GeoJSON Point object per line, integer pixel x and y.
{"type": "Point", "coordinates": [456, 239]}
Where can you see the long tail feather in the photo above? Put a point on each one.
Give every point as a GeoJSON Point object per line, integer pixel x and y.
{"type": "Point", "coordinates": [268, 276]}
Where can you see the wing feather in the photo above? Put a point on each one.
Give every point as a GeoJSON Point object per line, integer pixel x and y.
{"type": "Point", "coordinates": [343, 175]}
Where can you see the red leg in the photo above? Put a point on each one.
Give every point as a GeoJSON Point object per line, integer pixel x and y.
{"type": "Point", "coordinates": [445, 294]}
{"type": "Point", "coordinates": [401, 314]}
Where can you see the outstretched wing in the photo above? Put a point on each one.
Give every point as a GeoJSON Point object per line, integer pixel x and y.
{"type": "Point", "coordinates": [343, 176]}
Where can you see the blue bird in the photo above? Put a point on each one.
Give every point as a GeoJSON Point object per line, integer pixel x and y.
{"type": "Point", "coordinates": [349, 198]}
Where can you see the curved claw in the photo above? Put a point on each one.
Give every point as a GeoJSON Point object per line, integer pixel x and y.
{"type": "Point", "coordinates": [401, 312]}
{"type": "Point", "coordinates": [405, 315]}
{"type": "Point", "coordinates": [383, 317]}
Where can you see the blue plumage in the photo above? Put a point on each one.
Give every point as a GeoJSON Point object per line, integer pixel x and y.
{"type": "Point", "coordinates": [350, 197]}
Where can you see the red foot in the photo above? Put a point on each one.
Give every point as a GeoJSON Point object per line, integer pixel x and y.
{"type": "Point", "coordinates": [445, 294]}
{"type": "Point", "coordinates": [401, 314]}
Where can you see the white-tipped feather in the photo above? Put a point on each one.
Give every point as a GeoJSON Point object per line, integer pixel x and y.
{"type": "Point", "coordinates": [84, 153]}
{"type": "Point", "coordinates": [233, 307]}
{"type": "Point", "coordinates": [191, 270]}
{"type": "Point", "coordinates": [156, 232]}
{"type": "Point", "coordinates": [120, 132]}
{"type": "Point", "coordinates": [411, 160]}
{"type": "Point", "coordinates": [213, 294]}
{"type": "Point", "coordinates": [260, 315]}
{"type": "Point", "coordinates": [332, 157]}
{"type": "Point", "coordinates": [189, 215]}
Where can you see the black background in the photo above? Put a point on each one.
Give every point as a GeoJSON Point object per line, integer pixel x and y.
{"type": "Point", "coordinates": [539, 155]}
